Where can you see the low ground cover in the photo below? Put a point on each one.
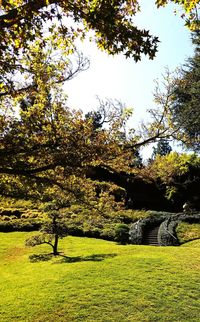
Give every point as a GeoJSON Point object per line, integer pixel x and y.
{"type": "Point", "coordinates": [98, 280]}
{"type": "Point", "coordinates": [187, 232]}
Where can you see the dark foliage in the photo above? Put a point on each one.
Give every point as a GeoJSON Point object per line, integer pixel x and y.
{"type": "Point", "coordinates": [122, 234]}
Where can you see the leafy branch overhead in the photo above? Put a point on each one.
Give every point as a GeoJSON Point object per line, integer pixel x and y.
{"type": "Point", "coordinates": [111, 21]}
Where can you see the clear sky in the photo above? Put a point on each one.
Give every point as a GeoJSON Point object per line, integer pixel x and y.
{"type": "Point", "coordinates": [123, 79]}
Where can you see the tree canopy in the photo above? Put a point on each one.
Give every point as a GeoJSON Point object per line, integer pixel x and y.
{"type": "Point", "coordinates": [45, 146]}
{"type": "Point", "coordinates": [42, 140]}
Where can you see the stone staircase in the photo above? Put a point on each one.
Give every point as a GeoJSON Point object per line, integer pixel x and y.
{"type": "Point", "coordinates": [151, 236]}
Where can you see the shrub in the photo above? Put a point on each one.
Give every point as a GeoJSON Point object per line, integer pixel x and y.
{"type": "Point", "coordinates": [19, 225]}
{"type": "Point", "coordinates": [74, 230]}
{"type": "Point", "coordinates": [108, 232]}
{"type": "Point", "coordinates": [122, 234]}
{"type": "Point", "coordinates": [187, 232]}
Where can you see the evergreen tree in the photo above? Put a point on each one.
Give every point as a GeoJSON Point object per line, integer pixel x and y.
{"type": "Point", "coordinates": [163, 148]}
{"type": "Point", "coordinates": [96, 118]}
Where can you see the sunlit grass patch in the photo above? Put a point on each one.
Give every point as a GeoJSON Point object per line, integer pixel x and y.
{"type": "Point", "coordinates": [96, 280]}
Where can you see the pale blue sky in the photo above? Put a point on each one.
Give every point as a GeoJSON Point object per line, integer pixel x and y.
{"type": "Point", "coordinates": [123, 79]}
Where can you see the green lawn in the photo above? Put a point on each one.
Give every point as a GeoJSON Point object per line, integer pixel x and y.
{"type": "Point", "coordinates": [99, 281]}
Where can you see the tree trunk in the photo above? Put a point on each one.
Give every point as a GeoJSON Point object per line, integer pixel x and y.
{"type": "Point", "coordinates": [55, 246]}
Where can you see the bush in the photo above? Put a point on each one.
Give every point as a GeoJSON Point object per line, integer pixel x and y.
{"type": "Point", "coordinates": [122, 234]}
{"type": "Point", "coordinates": [128, 216]}
{"type": "Point", "coordinates": [108, 232]}
{"type": "Point", "coordinates": [188, 232]}
{"type": "Point", "coordinates": [19, 225]}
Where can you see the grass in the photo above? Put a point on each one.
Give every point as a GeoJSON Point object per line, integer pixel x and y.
{"type": "Point", "coordinates": [98, 281]}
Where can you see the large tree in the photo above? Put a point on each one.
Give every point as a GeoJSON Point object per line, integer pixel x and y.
{"type": "Point", "coordinates": [45, 142]}
{"type": "Point", "coordinates": [29, 27]}
{"type": "Point", "coordinates": [39, 133]}
{"type": "Point", "coordinates": [185, 105]}
{"type": "Point", "coordinates": [175, 114]}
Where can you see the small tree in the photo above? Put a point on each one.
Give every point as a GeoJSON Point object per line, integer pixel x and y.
{"type": "Point", "coordinates": [53, 229]}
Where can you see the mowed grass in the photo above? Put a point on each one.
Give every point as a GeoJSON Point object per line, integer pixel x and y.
{"type": "Point", "coordinates": [98, 281]}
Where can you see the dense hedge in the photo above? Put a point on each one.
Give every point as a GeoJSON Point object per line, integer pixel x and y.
{"type": "Point", "coordinates": [20, 225]}
{"type": "Point", "coordinates": [167, 233]}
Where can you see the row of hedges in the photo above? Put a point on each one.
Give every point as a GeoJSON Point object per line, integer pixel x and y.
{"type": "Point", "coordinates": [117, 232]}
{"type": "Point", "coordinates": [112, 226]}
{"type": "Point", "coordinates": [79, 222]}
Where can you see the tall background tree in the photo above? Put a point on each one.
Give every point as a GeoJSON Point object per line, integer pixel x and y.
{"type": "Point", "coordinates": [163, 148]}
{"type": "Point", "coordinates": [185, 106]}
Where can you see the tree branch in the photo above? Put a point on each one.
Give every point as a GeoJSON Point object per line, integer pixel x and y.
{"type": "Point", "coordinates": [30, 8]}
{"type": "Point", "coordinates": [48, 243]}
{"type": "Point", "coordinates": [28, 172]}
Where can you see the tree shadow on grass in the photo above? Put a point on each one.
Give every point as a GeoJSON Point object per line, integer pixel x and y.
{"type": "Point", "coordinates": [93, 258]}
{"type": "Point", "coordinates": [40, 257]}
{"type": "Point", "coordinates": [66, 259]}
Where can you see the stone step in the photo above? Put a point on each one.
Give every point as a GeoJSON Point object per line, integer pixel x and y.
{"type": "Point", "coordinates": [151, 237]}
{"type": "Point", "coordinates": [151, 240]}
